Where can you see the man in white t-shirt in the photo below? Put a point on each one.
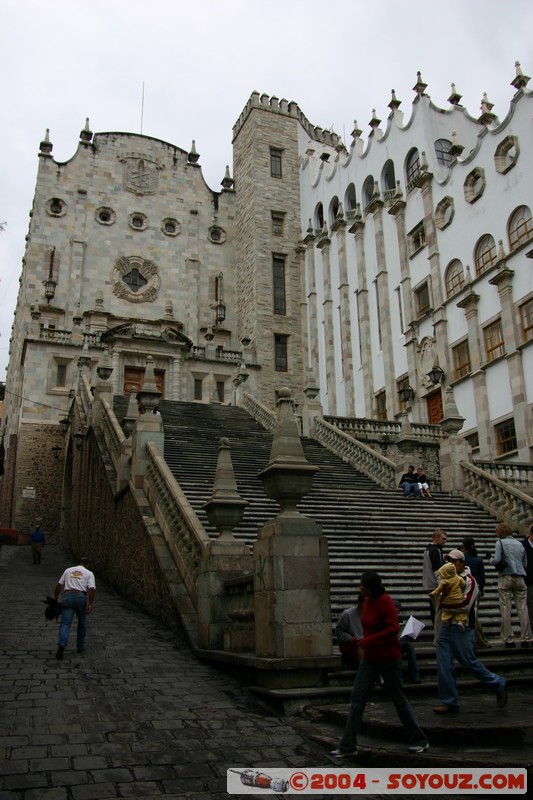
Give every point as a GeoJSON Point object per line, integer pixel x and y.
{"type": "Point", "coordinates": [78, 587]}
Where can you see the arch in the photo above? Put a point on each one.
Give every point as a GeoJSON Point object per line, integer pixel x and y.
{"type": "Point", "coordinates": [519, 227]}
{"type": "Point", "coordinates": [442, 151]}
{"type": "Point", "coordinates": [368, 190]}
{"type": "Point", "coordinates": [350, 199]}
{"type": "Point", "coordinates": [454, 277]}
{"type": "Point", "coordinates": [412, 167]}
{"type": "Point", "coordinates": [333, 208]}
{"type": "Point", "coordinates": [388, 176]}
{"type": "Point", "coordinates": [485, 254]}
{"type": "Point", "coordinates": [319, 216]}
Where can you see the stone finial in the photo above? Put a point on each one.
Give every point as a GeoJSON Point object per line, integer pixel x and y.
{"type": "Point", "coordinates": [356, 133]}
{"type": "Point", "coordinates": [169, 309]}
{"type": "Point", "coordinates": [468, 275]}
{"type": "Point", "coordinates": [521, 80]}
{"type": "Point", "coordinates": [132, 412]}
{"type": "Point", "coordinates": [310, 229]}
{"type": "Point", "coordinates": [398, 193]}
{"type": "Point", "coordinates": [486, 105]}
{"type": "Point", "coordinates": [456, 149]}
{"type": "Point", "coordinates": [419, 87]}
{"type": "Point", "coordinates": [46, 146]}
{"type": "Point", "coordinates": [376, 194]}
{"type": "Point", "coordinates": [486, 111]}
{"type": "Point", "coordinates": [374, 122]}
{"type": "Point", "coordinates": [455, 97]}
{"type": "Point", "coordinates": [227, 181]}
{"type": "Point", "coordinates": [86, 134]}
{"type": "Point", "coordinates": [225, 507]}
{"type": "Point", "coordinates": [148, 397]}
{"type": "Point", "coordinates": [288, 476]}
{"type": "Point", "coordinates": [193, 155]}
{"type": "Point", "coordinates": [340, 213]}
{"type": "Point", "coordinates": [452, 421]}
{"type": "Point", "coordinates": [501, 251]}
{"type": "Point", "coordinates": [423, 162]}
{"type": "Point", "coordinates": [394, 103]}
{"type": "Point", "coordinates": [99, 300]}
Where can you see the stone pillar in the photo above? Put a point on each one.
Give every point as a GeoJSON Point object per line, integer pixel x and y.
{"type": "Point", "coordinates": [311, 407]}
{"type": "Point", "coordinates": [329, 332]}
{"type": "Point", "coordinates": [309, 242]}
{"type": "Point", "coordinates": [291, 588]}
{"type": "Point", "coordinates": [339, 227]}
{"type": "Point", "coordinates": [453, 448]}
{"type": "Point", "coordinates": [363, 314]}
{"type": "Point", "coordinates": [224, 559]}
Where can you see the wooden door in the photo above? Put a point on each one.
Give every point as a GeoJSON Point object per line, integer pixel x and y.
{"type": "Point", "coordinates": [134, 377]}
{"type": "Point", "coordinates": [434, 407]}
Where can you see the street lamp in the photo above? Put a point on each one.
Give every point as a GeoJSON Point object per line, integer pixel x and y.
{"type": "Point", "coordinates": [436, 374]}
{"type": "Point", "coordinates": [406, 393]}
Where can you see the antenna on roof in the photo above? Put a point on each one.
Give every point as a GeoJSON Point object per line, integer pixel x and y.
{"type": "Point", "coordinates": [142, 108]}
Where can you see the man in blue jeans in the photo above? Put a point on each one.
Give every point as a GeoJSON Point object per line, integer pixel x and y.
{"type": "Point", "coordinates": [453, 642]}
{"type": "Point", "coordinates": [78, 587]}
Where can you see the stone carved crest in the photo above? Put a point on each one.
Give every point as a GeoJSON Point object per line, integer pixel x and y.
{"type": "Point", "coordinates": [135, 279]}
{"type": "Point", "coordinates": [426, 359]}
{"type": "Point", "coordinates": [140, 174]}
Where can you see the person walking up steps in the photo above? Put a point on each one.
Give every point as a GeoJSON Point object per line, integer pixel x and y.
{"type": "Point", "coordinates": [78, 587]}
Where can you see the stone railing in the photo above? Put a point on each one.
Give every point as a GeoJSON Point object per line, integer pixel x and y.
{"type": "Point", "coordinates": [501, 499]}
{"type": "Point", "coordinates": [86, 395]}
{"type": "Point", "coordinates": [181, 528]}
{"type": "Point", "coordinates": [377, 428]}
{"type": "Point", "coordinates": [359, 455]}
{"type": "Point", "coordinates": [239, 637]}
{"type": "Point", "coordinates": [227, 356]}
{"type": "Point", "coordinates": [521, 474]}
{"type": "Point", "coordinates": [113, 434]}
{"type": "Point", "coordinates": [259, 412]}
{"type": "Point", "coordinates": [92, 339]}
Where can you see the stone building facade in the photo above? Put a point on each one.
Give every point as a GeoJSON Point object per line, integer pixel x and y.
{"type": "Point", "coordinates": [356, 267]}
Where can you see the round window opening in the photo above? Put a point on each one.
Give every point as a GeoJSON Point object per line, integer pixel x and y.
{"type": "Point", "coordinates": [134, 280]}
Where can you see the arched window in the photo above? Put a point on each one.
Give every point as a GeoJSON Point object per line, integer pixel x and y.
{"type": "Point", "coordinates": [519, 227]}
{"type": "Point", "coordinates": [455, 278]}
{"type": "Point", "coordinates": [485, 254]}
{"type": "Point", "coordinates": [350, 200]}
{"type": "Point", "coordinates": [388, 177]}
{"type": "Point", "coordinates": [442, 151]}
{"type": "Point", "coordinates": [412, 167]}
{"type": "Point", "coordinates": [368, 190]}
{"type": "Point", "coordinates": [333, 208]}
{"type": "Point", "coordinates": [319, 216]}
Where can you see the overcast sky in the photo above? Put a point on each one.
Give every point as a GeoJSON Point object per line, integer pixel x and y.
{"type": "Point", "coordinates": [64, 60]}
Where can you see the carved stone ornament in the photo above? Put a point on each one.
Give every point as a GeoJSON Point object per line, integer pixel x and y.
{"type": "Point", "coordinates": [427, 355]}
{"type": "Point", "coordinates": [140, 174]}
{"type": "Point", "coordinates": [135, 279]}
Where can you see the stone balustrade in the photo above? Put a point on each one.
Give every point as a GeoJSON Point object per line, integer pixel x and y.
{"type": "Point", "coordinates": [114, 436]}
{"type": "Point", "coordinates": [364, 458]}
{"type": "Point", "coordinates": [259, 412]}
{"type": "Point", "coordinates": [181, 528]}
{"type": "Point", "coordinates": [65, 337]}
{"type": "Point", "coordinates": [504, 501]}
{"type": "Point", "coordinates": [377, 428]}
{"type": "Point", "coordinates": [521, 474]}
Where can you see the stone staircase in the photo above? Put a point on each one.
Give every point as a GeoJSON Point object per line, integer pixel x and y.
{"type": "Point", "coordinates": [367, 527]}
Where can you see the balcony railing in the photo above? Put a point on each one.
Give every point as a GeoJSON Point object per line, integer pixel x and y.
{"type": "Point", "coordinates": [517, 474]}
{"type": "Point", "coordinates": [381, 428]}
{"type": "Point", "coordinates": [504, 501]}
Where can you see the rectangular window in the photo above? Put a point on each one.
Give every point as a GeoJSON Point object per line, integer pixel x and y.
{"type": "Point", "coordinates": [461, 360]}
{"type": "Point", "coordinates": [275, 162]}
{"type": "Point", "coordinates": [197, 388]}
{"type": "Point", "coordinates": [280, 352]}
{"type": "Point", "coordinates": [278, 223]}
{"type": "Point", "coordinates": [422, 300]}
{"type": "Point", "coordinates": [526, 317]}
{"type": "Point", "coordinates": [473, 440]}
{"type": "Point", "coordinates": [220, 391]}
{"type": "Point", "coordinates": [417, 239]}
{"type": "Point", "coordinates": [61, 375]}
{"type": "Point", "coordinates": [381, 405]}
{"type": "Point", "coordinates": [505, 437]}
{"type": "Point", "coordinates": [494, 345]}
{"type": "Point", "coordinates": [278, 280]}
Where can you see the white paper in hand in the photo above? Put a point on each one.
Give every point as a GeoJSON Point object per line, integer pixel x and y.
{"type": "Point", "coordinates": [413, 628]}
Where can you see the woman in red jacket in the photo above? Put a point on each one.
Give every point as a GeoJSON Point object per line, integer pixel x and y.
{"type": "Point", "coordinates": [381, 656]}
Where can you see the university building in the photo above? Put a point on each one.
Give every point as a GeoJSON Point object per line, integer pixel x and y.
{"type": "Point", "coordinates": [392, 273]}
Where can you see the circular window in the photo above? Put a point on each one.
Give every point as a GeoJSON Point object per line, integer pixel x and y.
{"type": "Point", "coordinates": [474, 185]}
{"type": "Point", "coordinates": [170, 226]}
{"type": "Point", "coordinates": [56, 207]}
{"type": "Point", "coordinates": [105, 215]}
{"type": "Point", "coordinates": [217, 235]}
{"type": "Point", "coordinates": [138, 221]}
{"type": "Point", "coordinates": [444, 213]}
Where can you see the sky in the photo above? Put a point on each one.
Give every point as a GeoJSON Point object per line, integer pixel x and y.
{"type": "Point", "coordinates": [180, 71]}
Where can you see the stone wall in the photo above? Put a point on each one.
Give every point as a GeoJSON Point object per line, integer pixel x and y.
{"type": "Point", "coordinates": [111, 531]}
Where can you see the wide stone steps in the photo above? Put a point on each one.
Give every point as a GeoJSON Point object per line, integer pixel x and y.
{"type": "Point", "coordinates": [367, 527]}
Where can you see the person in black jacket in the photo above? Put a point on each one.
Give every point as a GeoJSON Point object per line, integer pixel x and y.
{"type": "Point", "coordinates": [477, 568]}
{"type": "Point", "coordinates": [409, 483]}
